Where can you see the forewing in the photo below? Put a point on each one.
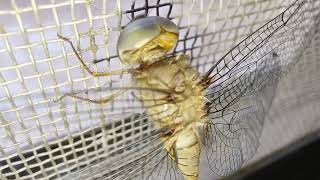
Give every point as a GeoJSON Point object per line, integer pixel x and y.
{"type": "Point", "coordinates": [243, 82]}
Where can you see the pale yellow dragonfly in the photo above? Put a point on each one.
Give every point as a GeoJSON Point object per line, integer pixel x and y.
{"type": "Point", "coordinates": [218, 114]}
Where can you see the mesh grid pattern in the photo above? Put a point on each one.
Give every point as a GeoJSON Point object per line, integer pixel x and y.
{"type": "Point", "coordinates": [40, 139]}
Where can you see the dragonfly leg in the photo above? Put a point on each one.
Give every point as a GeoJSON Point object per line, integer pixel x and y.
{"type": "Point", "coordinates": [87, 68]}
{"type": "Point", "coordinates": [103, 100]}
{"type": "Point", "coordinates": [168, 98]}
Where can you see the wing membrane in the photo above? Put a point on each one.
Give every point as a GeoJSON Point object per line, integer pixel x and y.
{"type": "Point", "coordinates": [141, 157]}
{"type": "Point", "coordinates": [234, 137]}
{"type": "Point", "coordinates": [242, 90]}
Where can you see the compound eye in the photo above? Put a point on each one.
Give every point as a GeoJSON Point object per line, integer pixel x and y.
{"type": "Point", "coordinates": [146, 40]}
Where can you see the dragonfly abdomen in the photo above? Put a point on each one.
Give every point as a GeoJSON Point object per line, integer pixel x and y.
{"type": "Point", "coordinates": [184, 150]}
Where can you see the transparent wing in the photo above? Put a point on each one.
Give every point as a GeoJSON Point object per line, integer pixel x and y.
{"type": "Point", "coordinates": [233, 138]}
{"type": "Point", "coordinates": [132, 152]}
{"type": "Point", "coordinates": [116, 140]}
{"type": "Point", "coordinates": [243, 82]}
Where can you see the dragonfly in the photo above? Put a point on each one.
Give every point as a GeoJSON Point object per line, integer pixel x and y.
{"type": "Point", "coordinates": [218, 114]}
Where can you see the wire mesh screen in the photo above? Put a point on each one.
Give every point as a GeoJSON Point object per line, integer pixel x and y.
{"type": "Point", "coordinates": [43, 139]}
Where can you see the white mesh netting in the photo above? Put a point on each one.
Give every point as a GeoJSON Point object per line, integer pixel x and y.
{"type": "Point", "coordinates": [40, 139]}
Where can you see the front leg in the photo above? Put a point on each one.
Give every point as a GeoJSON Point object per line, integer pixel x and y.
{"type": "Point", "coordinates": [96, 101]}
{"type": "Point", "coordinates": [95, 73]}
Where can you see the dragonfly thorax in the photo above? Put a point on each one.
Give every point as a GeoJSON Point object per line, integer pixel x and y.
{"type": "Point", "coordinates": [175, 96]}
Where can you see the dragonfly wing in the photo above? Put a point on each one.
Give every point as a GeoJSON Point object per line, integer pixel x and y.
{"type": "Point", "coordinates": [117, 139]}
{"type": "Point", "coordinates": [284, 37]}
{"type": "Point", "coordinates": [129, 153]}
{"type": "Point", "coordinates": [233, 137]}
{"type": "Point", "coordinates": [243, 83]}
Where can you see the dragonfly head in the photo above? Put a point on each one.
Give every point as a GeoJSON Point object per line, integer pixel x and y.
{"type": "Point", "coordinates": [146, 40]}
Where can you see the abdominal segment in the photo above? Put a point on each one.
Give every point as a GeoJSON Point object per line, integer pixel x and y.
{"type": "Point", "coordinates": [184, 150]}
